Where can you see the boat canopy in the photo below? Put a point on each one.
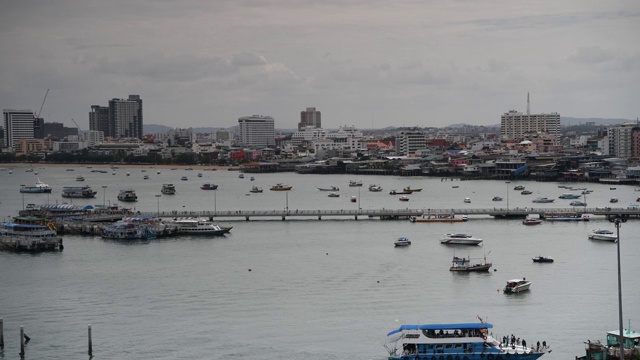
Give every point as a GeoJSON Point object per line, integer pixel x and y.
{"type": "Point", "coordinates": [459, 326]}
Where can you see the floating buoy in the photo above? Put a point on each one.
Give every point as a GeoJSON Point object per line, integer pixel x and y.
{"type": "Point", "coordinates": [249, 269]}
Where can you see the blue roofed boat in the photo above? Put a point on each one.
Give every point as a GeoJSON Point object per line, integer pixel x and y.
{"type": "Point", "coordinates": [470, 341]}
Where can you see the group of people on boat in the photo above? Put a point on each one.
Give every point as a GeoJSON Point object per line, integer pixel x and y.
{"type": "Point", "coordinates": [512, 341]}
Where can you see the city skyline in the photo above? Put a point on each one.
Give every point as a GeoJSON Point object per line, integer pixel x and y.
{"type": "Point", "coordinates": [367, 64]}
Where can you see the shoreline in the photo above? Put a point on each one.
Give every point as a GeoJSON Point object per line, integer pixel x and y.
{"type": "Point", "coordinates": [121, 166]}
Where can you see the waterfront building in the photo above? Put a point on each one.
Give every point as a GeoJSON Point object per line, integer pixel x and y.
{"type": "Point", "coordinates": [310, 117]}
{"type": "Point", "coordinates": [621, 140]}
{"type": "Point", "coordinates": [514, 125]}
{"type": "Point", "coordinates": [408, 142]}
{"type": "Point", "coordinates": [18, 125]}
{"type": "Point", "coordinates": [257, 131]}
{"type": "Point", "coordinates": [99, 120]}
{"type": "Point", "coordinates": [307, 135]}
{"type": "Point", "coordinates": [92, 137]}
{"type": "Point", "coordinates": [30, 146]}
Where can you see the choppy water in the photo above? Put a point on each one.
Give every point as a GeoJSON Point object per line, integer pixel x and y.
{"type": "Point", "coordinates": [298, 289]}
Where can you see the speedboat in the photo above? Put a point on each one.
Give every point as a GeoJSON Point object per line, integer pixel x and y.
{"type": "Point", "coordinates": [460, 239]}
{"type": "Point", "coordinates": [375, 188]}
{"type": "Point", "coordinates": [80, 178]}
{"type": "Point", "coordinates": [613, 200]}
{"type": "Point", "coordinates": [402, 241]}
{"type": "Point", "coordinates": [403, 198]}
{"type": "Point", "coordinates": [334, 194]}
{"type": "Point", "coordinates": [517, 285]}
{"type": "Point", "coordinates": [603, 235]}
{"type": "Point", "coordinates": [519, 187]}
{"type": "Point", "coordinates": [168, 189]}
{"type": "Point", "coordinates": [543, 200]}
{"type": "Point", "coordinates": [355, 183]}
{"type": "Point", "coordinates": [209, 186]}
{"type": "Point", "coordinates": [543, 259]}
{"type": "Point", "coordinates": [281, 187]}
{"type": "Point", "coordinates": [496, 198]}
{"type": "Point", "coordinates": [469, 341]}
{"type": "Point", "coordinates": [530, 221]}
{"type": "Point", "coordinates": [464, 264]}
{"type": "Point", "coordinates": [467, 200]}
{"type": "Point", "coordinates": [38, 187]}
{"type": "Point", "coordinates": [526, 192]}
{"type": "Point", "coordinates": [569, 196]}
{"type": "Point", "coordinates": [330, 188]}
{"type": "Point", "coordinates": [255, 189]}
{"type": "Point", "coordinates": [128, 195]}
{"type": "Point", "coordinates": [577, 203]}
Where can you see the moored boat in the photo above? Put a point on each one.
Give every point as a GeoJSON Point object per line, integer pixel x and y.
{"type": "Point", "coordinates": [27, 233]}
{"type": "Point", "coordinates": [355, 183]}
{"type": "Point", "coordinates": [375, 188]}
{"type": "Point", "coordinates": [526, 192]}
{"type": "Point", "coordinates": [80, 178]}
{"type": "Point", "coordinates": [403, 198]}
{"type": "Point", "coordinates": [467, 200]}
{"type": "Point", "coordinates": [403, 192]}
{"type": "Point", "coordinates": [464, 264]}
{"type": "Point", "coordinates": [197, 226]}
{"type": "Point", "coordinates": [496, 198]}
{"type": "Point", "coordinates": [530, 221]}
{"type": "Point", "coordinates": [611, 351]}
{"type": "Point", "coordinates": [517, 285]}
{"type": "Point", "coordinates": [471, 341]}
{"type": "Point", "coordinates": [78, 192]}
{"type": "Point", "coordinates": [402, 241]}
{"type": "Point", "coordinates": [518, 187]}
{"type": "Point", "coordinates": [208, 186]}
{"type": "Point", "coordinates": [569, 196]}
{"type": "Point", "coordinates": [184, 178]}
{"type": "Point", "coordinates": [255, 189]}
{"type": "Point", "coordinates": [603, 235]}
{"type": "Point", "coordinates": [613, 200]}
{"type": "Point", "coordinates": [125, 230]}
{"type": "Point", "coordinates": [281, 187]}
{"type": "Point", "coordinates": [168, 189]}
{"type": "Point", "coordinates": [577, 203]}
{"type": "Point", "coordinates": [38, 187]}
{"type": "Point", "coordinates": [128, 195]}
{"type": "Point", "coordinates": [330, 188]}
{"type": "Point", "coordinates": [543, 200]}
{"type": "Point", "coordinates": [543, 259]}
{"type": "Point", "coordinates": [460, 239]}
{"type": "Point", "coordinates": [428, 218]}
{"type": "Point", "coordinates": [334, 194]}
{"type": "Point", "coordinates": [354, 199]}
{"type": "Point", "coordinates": [408, 188]}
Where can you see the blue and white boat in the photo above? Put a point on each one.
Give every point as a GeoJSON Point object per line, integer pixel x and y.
{"type": "Point", "coordinates": [462, 341]}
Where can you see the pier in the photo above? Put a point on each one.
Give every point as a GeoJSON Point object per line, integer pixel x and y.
{"type": "Point", "coordinates": [30, 244]}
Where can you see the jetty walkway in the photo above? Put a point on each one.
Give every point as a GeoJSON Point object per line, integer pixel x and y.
{"type": "Point", "coordinates": [398, 214]}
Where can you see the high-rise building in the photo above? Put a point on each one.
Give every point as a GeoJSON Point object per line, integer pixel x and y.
{"type": "Point", "coordinates": [18, 124]}
{"type": "Point", "coordinates": [514, 125]}
{"type": "Point", "coordinates": [621, 140]}
{"type": "Point", "coordinates": [408, 142]}
{"type": "Point", "coordinates": [310, 117]}
{"type": "Point", "coordinates": [125, 117]}
{"type": "Point", "coordinates": [99, 119]}
{"type": "Point", "coordinates": [257, 131]}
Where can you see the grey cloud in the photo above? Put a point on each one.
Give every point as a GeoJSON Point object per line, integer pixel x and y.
{"type": "Point", "coordinates": [590, 55]}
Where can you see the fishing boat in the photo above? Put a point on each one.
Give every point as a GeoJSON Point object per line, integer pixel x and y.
{"type": "Point", "coordinates": [330, 188]}
{"type": "Point", "coordinates": [196, 226]}
{"type": "Point", "coordinates": [611, 350]}
{"type": "Point", "coordinates": [403, 192]}
{"type": "Point", "coordinates": [355, 183]}
{"type": "Point", "coordinates": [471, 341]}
{"type": "Point", "coordinates": [464, 264]}
{"type": "Point", "coordinates": [334, 194]}
{"type": "Point", "coordinates": [517, 285]}
{"type": "Point", "coordinates": [530, 221]}
{"type": "Point", "coordinates": [403, 198]}
{"type": "Point", "coordinates": [78, 192]}
{"type": "Point", "coordinates": [603, 235]}
{"type": "Point", "coordinates": [38, 187]}
{"type": "Point", "coordinates": [375, 188]}
{"type": "Point", "coordinates": [408, 188]}
{"type": "Point", "coordinates": [496, 198]}
{"type": "Point", "coordinates": [460, 239]}
{"type": "Point", "coordinates": [255, 189]}
{"type": "Point", "coordinates": [128, 195]}
{"type": "Point", "coordinates": [168, 189]}
{"type": "Point", "coordinates": [208, 186]}
{"type": "Point", "coordinates": [80, 178]}
{"type": "Point", "coordinates": [429, 218]}
{"type": "Point", "coordinates": [402, 241]}
{"type": "Point", "coordinates": [542, 259]}
{"type": "Point", "coordinates": [543, 200]}
{"type": "Point", "coordinates": [281, 187]}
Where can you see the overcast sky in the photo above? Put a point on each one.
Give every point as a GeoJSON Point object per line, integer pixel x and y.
{"type": "Point", "coordinates": [373, 63]}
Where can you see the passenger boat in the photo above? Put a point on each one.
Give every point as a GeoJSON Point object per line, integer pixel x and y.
{"type": "Point", "coordinates": [355, 183]}
{"type": "Point", "coordinates": [80, 178]}
{"type": "Point", "coordinates": [470, 341]}
{"type": "Point", "coordinates": [27, 233]}
{"type": "Point", "coordinates": [78, 192]}
{"type": "Point", "coordinates": [526, 192]}
{"type": "Point", "coordinates": [519, 187]}
{"type": "Point", "coordinates": [209, 186]}
{"type": "Point", "coordinates": [464, 264]}
{"type": "Point", "coordinates": [402, 241]}
{"type": "Point", "coordinates": [467, 200]}
{"type": "Point", "coordinates": [168, 189]}
{"type": "Point", "coordinates": [517, 285]}
{"type": "Point", "coordinates": [496, 198]}
{"type": "Point", "coordinates": [375, 188]}
{"type": "Point", "coordinates": [543, 259]}
{"type": "Point", "coordinates": [334, 194]}
{"type": "Point", "coordinates": [255, 189]}
{"type": "Point", "coordinates": [403, 192]}
{"type": "Point", "coordinates": [38, 187]}
{"type": "Point", "coordinates": [543, 200]}
{"type": "Point", "coordinates": [429, 218]}
{"type": "Point", "coordinates": [196, 226]}
{"type": "Point", "coordinates": [530, 221]}
{"type": "Point", "coordinates": [403, 198]}
{"type": "Point", "coordinates": [281, 187]}
{"type": "Point", "coordinates": [125, 230]}
{"type": "Point", "coordinates": [460, 239]}
{"type": "Point", "coordinates": [408, 188]}
{"type": "Point", "coordinates": [127, 195]}
{"type": "Point", "coordinates": [330, 188]}
{"type": "Point", "coordinates": [631, 345]}
{"type": "Point", "coordinates": [184, 178]}
{"type": "Point", "coordinates": [569, 196]}
{"type": "Point", "coordinates": [577, 203]}
{"type": "Point", "coordinates": [603, 235]}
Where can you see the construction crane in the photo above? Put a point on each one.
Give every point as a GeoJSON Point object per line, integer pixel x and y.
{"type": "Point", "coordinates": [41, 105]}
{"type": "Point", "coordinates": [78, 126]}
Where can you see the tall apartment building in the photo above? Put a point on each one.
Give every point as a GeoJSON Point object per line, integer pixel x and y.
{"type": "Point", "coordinates": [621, 140]}
{"type": "Point", "coordinates": [122, 118]}
{"type": "Point", "coordinates": [257, 131]}
{"type": "Point", "coordinates": [310, 117]}
{"type": "Point", "coordinates": [18, 125]}
{"type": "Point", "coordinates": [92, 137]}
{"type": "Point", "coordinates": [514, 125]}
{"type": "Point", "coordinates": [408, 142]}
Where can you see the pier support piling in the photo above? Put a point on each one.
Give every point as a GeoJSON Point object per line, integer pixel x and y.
{"type": "Point", "coordinates": [21, 341]}
{"type": "Point", "coordinates": [90, 343]}
{"type": "Point", "coordinates": [1, 334]}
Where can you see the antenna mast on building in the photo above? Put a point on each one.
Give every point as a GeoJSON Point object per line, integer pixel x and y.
{"type": "Point", "coordinates": [528, 108]}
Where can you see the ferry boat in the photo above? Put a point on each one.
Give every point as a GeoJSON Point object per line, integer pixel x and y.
{"type": "Point", "coordinates": [355, 183]}
{"type": "Point", "coordinates": [196, 226]}
{"type": "Point", "coordinates": [375, 188]}
{"type": "Point", "coordinates": [127, 195]}
{"type": "Point", "coordinates": [600, 351]}
{"type": "Point", "coordinates": [255, 189]}
{"type": "Point", "coordinates": [38, 187]}
{"type": "Point", "coordinates": [471, 341]}
{"type": "Point", "coordinates": [128, 231]}
{"type": "Point", "coordinates": [460, 239]}
{"type": "Point", "coordinates": [402, 241]}
{"type": "Point", "coordinates": [428, 218]}
{"type": "Point", "coordinates": [281, 187]}
{"type": "Point", "coordinates": [26, 233]}
{"type": "Point", "coordinates": [330, 188]}
{"type": "Point", "coordinates": [569, 196]}
{"type": "Point", "coordinates": [464, 264]}
{"type": "Point", "coordinates": [517, 285]}
{"type": "Point", "coordinates": [209, 186]}
{"type": "Point", "coordinates": [168, 189]}
{"type": "Point", "coordinates": [583, 217]}
{"type": "Point", "coordinates": [78, 192]}
{"type": "Point", "coordinates": [603, 235]}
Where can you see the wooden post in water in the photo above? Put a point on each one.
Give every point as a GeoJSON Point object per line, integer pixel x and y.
{"type": "Point", "coordinates": [1, 334]}
{"type": "Point", "coordinates": [21, 341]}
{"type": "Point", "coordinates": [90, 344]}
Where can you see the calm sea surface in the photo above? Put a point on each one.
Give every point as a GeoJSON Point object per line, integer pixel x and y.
{"type": "Point", "coordinates": [307, 289]}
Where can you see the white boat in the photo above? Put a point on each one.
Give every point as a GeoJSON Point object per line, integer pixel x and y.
{"type": "Point", "coordinates": [403, 198]}
{"type": "Point", "coordinates": [255, 189]}
{"type": "Point", "coordinates": [38, 187]}
{"type": "Point", "coordinates": [460, 239]}
{"type": "Point", "coordinates": [402, 241]}
{"type": "Point", "coordinates": [241, 176]}
{"type": "Point", "coordinates": [168, 189]}
{"type": "Point", "coordinates": [517, 285]}
{"type": "Point", "coordinates": [78, 192]}
{"type": "Point", "coordinates": [496, 198]}
{"type": "Point", "coordinates": [199, 174]}
{"type": "Point", "coordinates": [196, 226]}
{"type": "Point", "coordinates": [543, 200]}
{"type": "Point", "coordinates": [334, 194]}
{"type": "Point", "coordinates": [127, 195]}
{"type": "Point", "coordinates": [603, 235]}
{"type": "Point", "coordinates": [569, 196]}
{"type": "Point", "coordinates": [467, 200]}
{"type": "Point", "coordinates": [375, 188]}
{"type": "Point", "coordinates": [354, 198]}
{"type": "Point", "coordinates": [355, 183]}
{"type": "Point", "coordinates": [281, 187]}
{"type": "Point", "coordinates": [577, 203]}
{"type": "Point", "coordinates": [330, 188]}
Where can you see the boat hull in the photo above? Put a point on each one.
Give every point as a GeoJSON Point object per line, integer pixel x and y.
{"type": "Point", "coordinates": [461, 241]}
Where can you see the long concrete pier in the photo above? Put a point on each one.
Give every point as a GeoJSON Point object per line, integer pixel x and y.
{"type": "Point", "coordinates": [397, 214]}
